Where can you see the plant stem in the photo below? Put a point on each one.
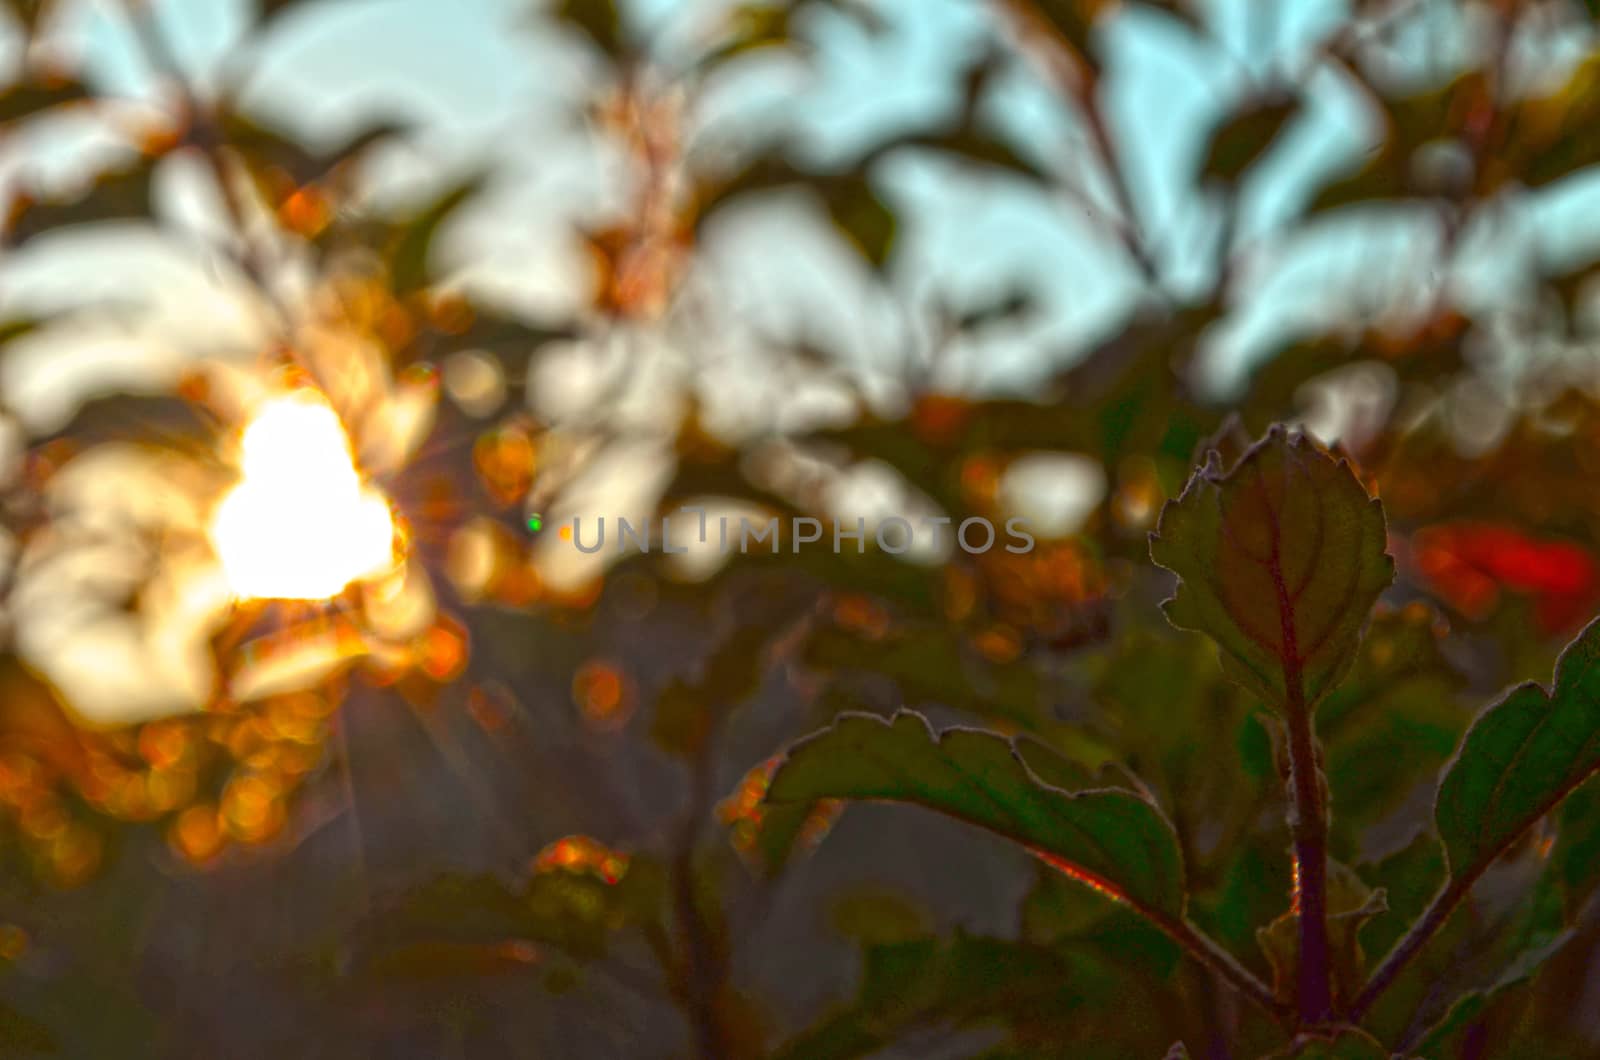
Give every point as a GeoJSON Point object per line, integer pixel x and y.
{"type": "Point", "coordinates": [1308, 822]}
{"type": "Point", "coordinates": [1433, 918]}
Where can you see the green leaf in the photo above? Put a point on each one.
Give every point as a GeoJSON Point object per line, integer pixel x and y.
{"type": "Point", "coordinates": [1471, 1005]}
{"type": "Point", "coordinates": [1111, 839]}
{"type": "Point", "coordinates": [1071, 919]}
{"type": "Point", "coordinates": [1520, 758]}
{"type": "Point", "coordinates": [1394, 721]}
{"type": "Point", "coordinates": [1577, 847]}
{"type": "Point", "coordinates": [1279, 561]}
{"type": "Point", "coordinates": [1506, 923]}
{"type": "Point", "coordinates": [1409, 877]}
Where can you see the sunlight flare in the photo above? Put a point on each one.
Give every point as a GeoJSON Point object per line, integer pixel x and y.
{"type": "Point", "coordinates": [300, 525]}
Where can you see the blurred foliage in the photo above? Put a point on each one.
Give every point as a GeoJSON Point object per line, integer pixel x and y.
{"type": "Point", "coordinates": [1208, 808]}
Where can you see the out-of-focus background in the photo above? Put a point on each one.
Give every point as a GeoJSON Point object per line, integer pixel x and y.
{"type": "Point", "coordinates": [322, 320]}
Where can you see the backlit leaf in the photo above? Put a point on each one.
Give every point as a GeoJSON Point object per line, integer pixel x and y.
{"type": "Point", "coordinates": [1279, 560]}
{"type": "Point", "coordinates": [1111, 839]}
{"type": "Point", "coordinates": [1520, 758]}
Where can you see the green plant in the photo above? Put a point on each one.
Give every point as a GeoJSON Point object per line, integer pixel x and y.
{"type": "Point", "coordinates": [1280, 559]}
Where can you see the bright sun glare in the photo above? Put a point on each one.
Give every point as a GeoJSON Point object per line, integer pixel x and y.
{"type": "Point", "coordinates": [300, 525]}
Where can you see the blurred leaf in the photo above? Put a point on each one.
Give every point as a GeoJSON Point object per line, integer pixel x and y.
{"type": "Point", "coordinates": [861, 216]}
{"type": "Point", "coordinates": [1279, 560]}
{"type": "Point", "coordinates": [846, 193]}
{"type": "Point", "coordinates": [1439, 1039]}
{"type": "Point", "coordinates": [769, 836]}
{"type": "Point", "coordinates": [599, 20]}
{"type": "Point", "coordinates": [752, 27]}
{"type": "Point", "coordinates": [878, 917]}
{"type": "Point", "coordinates": [269, 12]}
{"type": "Point", "coordinates": [265, 149]}
{"type": "Point", "coordinates": [1376, 180]}
{"type": "Point", "coordinates": [1388, 171]}
{"type": "Point", "coordinates": [409, 254]}
{"type": "Point", "coordinates": [1011, 307]}
{"type": "Point", "coordinates": [1244, 136]}
{"type": "Point", "coordinates": [1174, 721]}
{"type": "Point", "coordinates": [136, 417]}
{"type": "Point", "coordinates": [1249, 894]}
{"type": "Point", "coordinates": [1072, 19]}
{"type": "Point", "coordinates": [1520, 758]}
{"type": "Point", "coordinates": [1400, 696]}
{"type": "Point", "coordinates": [22, 100]}
{"type": "Point", "coordinates": [576, 912]}
{"type": "Point", "coordinates": [29, 13]}
{"type": "Point", "coordinates": [116, 195]}
{"type": "Point", "coordinates": [1513, 916]}
{"type": "Point", "coordinates": [689, 709]}
{"type": "Point", "coordinates": [1551, 144]}
{"type": "Point", "coordinates": [962, 982]}
{"type": "Point", "coordinates": [511, 341]}
{"type": "Point", "coordinates": [972, 143]}
{"type": "Point", "coordinates": [1112, 840]}
{"type": "Point", "coordinates": [21, 1036]}
{"type": "Point", "coordinates": [17, 327]}
{"type": "Point", "coordinates": [1409, 877]}
{"type": "Point", "coordinates": [932, 666]}
{"type": "Point", "coordinates": [1230, 441]}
